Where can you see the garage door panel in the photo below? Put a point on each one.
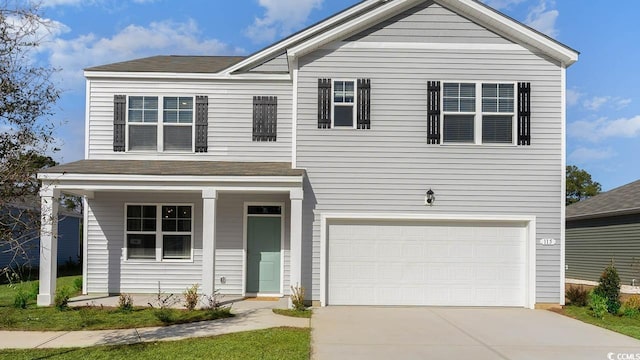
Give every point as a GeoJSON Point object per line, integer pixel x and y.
{"type": "Point", "coordinates": [426, 264]}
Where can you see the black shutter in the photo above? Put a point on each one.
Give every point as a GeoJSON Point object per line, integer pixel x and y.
{"type": "Point", "coordinates": [324, 103]}
{"type": "Point", "coordinates": [119, 121]}
{"type": "Point", "coordinates": [202, 123]}
{"type": "Point", "coordinates": [433, 112]}
{"type": "Point", "coordinates": [364, 104]}
{"type": "Point", "coordinates": [524, 113]}
{"type": "Point", "coordinates": [265, 118]}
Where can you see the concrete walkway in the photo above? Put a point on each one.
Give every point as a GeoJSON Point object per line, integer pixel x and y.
{"type": "Point", "coordinates": [342, 332]}
{"type": "Point", "coordinates": [249, 315]}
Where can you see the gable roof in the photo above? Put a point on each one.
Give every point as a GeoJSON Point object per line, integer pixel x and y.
{"type": "Point", "coordinates": [351, 20]}
{"type": "Point", "coordinates": [172, 63]}
{"type": "Point", "coordinates": [619, 201]}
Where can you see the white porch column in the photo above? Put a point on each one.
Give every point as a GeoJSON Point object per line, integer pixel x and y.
{"type": "Point", "coordinates": [48, 244]}
{"type": "Point", "coordinates": [295, 257]}
{"type": "Point", "coordinates": [209, 196]}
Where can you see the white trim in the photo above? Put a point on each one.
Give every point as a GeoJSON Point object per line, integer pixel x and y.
{"type": "Point", "coordinates": [563, 179]}
{"type": "Point", "coordinates": [245, 221]}
{"type": "Point", "coordinates": [168, 178]}
{"type": "Point", "coordinates": [87, 120]}
{"type": "Point", "coordinates": [185, 76]}
{"type": "Point", "coordinates": [530, 230]}
{"type": "Point", "coordinates": [150, 187]}
{"type": "Point", "coordinates": [471, 47]}
{"type": "Point", "coordinates": [294, 114]}
{"type": "Point", "coordinates": [85, 243]}
{"type": "Point", "coordinates": [158, 234]}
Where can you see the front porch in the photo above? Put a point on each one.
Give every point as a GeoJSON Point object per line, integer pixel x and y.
{"type": "Point", "coordinates": [235, 228]}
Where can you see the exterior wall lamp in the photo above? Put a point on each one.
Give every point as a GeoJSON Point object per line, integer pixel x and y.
{"type": "Point", "coordinates": [429, 197]}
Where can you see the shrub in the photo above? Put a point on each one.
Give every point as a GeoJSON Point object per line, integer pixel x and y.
{"type": "Point", "coordinates": [297, 298]}
{"type": "Point", "coordinates": [21, 299]}
{"type": "Point", "coordinates": [598, 304]}
{"type": "Point", "coordinates": [163, 301]}
{"type": "Point", "coordinates": [629, 311]}
{"type": "Point", "coordinates": [61, 300]}
{"type": "Point", "coordinates": [125, 302]}
{"type": "Point", "coordinates": [577, 295]}
{"type": "Point", "coordinates": [609, 288]}
{"type": "Point", "coordinates": [633, 302]}
{"type": "Point", "coordinates": [191, 297]}
{"type": "Point", "coordinates": [77, 284]}
{"type": "Point", "coordinates": [165, 315]}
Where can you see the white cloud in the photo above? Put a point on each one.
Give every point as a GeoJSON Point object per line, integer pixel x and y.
{"type": "Point", "coordinates": [604, 128]}
{"type": "Point", "coordinates": [502, 4]}
{"type": "Point", "coordinates": [622, 103]}
{"type": "Point", "coordinates": [134, 41]}
{"type": "Point", "coordinates": [596, 102]}
{"type": "Point", "coordinates": [281, 17]}
{"type": "Point", "coordinates": [543, 19]}
{"type": "Point", "coordinates": [53, 3]}
{"type": "Point", "coordinates": [583, 154]}
{"type": "Point", "coordinates": [573, 96]}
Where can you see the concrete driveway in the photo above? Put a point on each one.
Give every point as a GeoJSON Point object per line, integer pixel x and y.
{"type": "Point", "coordinates": [342, 332]}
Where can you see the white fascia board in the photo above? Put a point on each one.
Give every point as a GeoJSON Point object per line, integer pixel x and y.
{"type": "Point", "coordinates": [423, 46]}
{"type": "Point", "coordinates": [391, 7]}
{"type": "Point", "coordinates": [169, 178]}
{"type": "Point", "coordinates": [426, 217]}
{"type": "Point", "coordinates": [496, 21]}
{"type": "Point", "coordinates": [185, 76]}
{"type": "Point", "coordinates": [284, 44]}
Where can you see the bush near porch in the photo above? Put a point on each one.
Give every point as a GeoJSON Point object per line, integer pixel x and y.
{"type": "Point", "coordinates": [87, 317]}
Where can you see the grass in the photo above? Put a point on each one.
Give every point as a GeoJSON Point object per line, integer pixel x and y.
{"type": "Point", "coordinates": [89, 317]}
{"type": "Point", "coordinates": [629, 326]}
{"type": "Point", "coordinates": [275, 343]}
{"type": "Point", "coordinates": [294, 313]}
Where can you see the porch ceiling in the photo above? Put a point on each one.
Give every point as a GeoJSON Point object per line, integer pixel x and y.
{"type": "Point", "coordinates": [175, 168]}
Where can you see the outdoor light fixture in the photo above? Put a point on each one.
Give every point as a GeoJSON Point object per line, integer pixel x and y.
{"type": "Point", "coordinates": [429, 198]}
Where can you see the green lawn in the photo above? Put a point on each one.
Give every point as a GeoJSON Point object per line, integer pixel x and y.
{"type": "Point", "coordinates": [88, 318]}
{"type": "Point", "coordinates": [622, 324]}
{"type": "Point", "coordinates": [294, 313]}
{"type": "Point", "coordinates": [276, 343]}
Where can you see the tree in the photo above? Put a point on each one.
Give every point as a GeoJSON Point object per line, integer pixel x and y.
{"type": "Point", "coordinates": [27, 96]}
{"type": "Point", "coordinates": [580, 186]}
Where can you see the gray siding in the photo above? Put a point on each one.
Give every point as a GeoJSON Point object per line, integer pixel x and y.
{"type": "Point", "coordinates": [278, 64]}
{"type": "Point", "coordinates": [108, 272]}
{"type": "Point", "coordinates": [592, 245]}
{"type": "Point", "coordinates": [230, 118]}
{"type": "Point", "coordinates": [428, 23]}
{"type": "Point", "coordinates": [389, 168]}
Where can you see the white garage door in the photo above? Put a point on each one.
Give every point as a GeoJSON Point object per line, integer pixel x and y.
{"type": "Point", "coordinates": [426, 264]}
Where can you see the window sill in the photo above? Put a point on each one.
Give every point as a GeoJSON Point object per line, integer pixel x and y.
{"type": "Point", "coordinates": [479, 145]}
{"type": "Point", "coordinates": [154, 261]}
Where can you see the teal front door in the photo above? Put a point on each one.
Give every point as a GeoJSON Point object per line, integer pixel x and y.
{"type": "Point", "coordinates": [263, 254]}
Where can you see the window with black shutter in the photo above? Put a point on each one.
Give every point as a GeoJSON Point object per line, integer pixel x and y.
{"type": "Point", "coordinates": [344, 103]}
{"type": "Point", "coordinates": [265, 118]}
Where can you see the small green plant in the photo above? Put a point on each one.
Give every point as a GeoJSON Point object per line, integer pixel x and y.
{"type": "Point", "coordinates": [609, 288]}
{"type": "Point", "coordinates": [61, 300]}
{"type": "Point", "coordinates": [577, 295]}
{"type": "Point", "coordinates": [297, 298]}
{"type": "Point", "coordinates": [191, 297]}
{"type": "Point", "coordinates": [165, 315]}
{"type": "Point", "coordinates": [21, 299]}
{"type": "Point", "coordinates": [125, 302]}
{"type": "Point", "coordinates": [598, 304]}
{"type": "Point", "coordinates": [163, 301]}
{"type": "Point", "coordinates": [77, 284]}
{"type": "Point", "coordinates": [629, 312]}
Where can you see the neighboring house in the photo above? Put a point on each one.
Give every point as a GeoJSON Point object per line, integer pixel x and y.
{"type": "Point", "coordinates": [604, 229]}
{"type": "Point", "coordinates": [400, 152]}
{"type": "Point", "coordinates": [26, 249]}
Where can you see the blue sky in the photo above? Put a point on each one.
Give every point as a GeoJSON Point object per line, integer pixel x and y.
{"type": "Point", "coordinates": [603, 98]}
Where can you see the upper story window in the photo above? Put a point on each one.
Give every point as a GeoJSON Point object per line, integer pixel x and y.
{"type": "Point", "coordinates": [184, 125]}
{"type": "Point", "coordinates": [343, 103]}
{"type": "Point", "coordinates": [146, 133]}
{"type": "Point", "coordinates": [487, 118]}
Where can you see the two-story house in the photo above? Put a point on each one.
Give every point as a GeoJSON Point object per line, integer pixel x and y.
{"type": "Point", "coordinates": [400, 152]}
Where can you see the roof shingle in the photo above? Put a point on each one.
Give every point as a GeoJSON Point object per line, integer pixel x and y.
{"type": "Point", "coordinates": [621, 200]}
{"type": "Point", "coordinates": [172, 63]}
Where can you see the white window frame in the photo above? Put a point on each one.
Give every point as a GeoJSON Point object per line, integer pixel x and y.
{"type": "Point", "coordinates": [477, 123]}
{"type": "Point", "coordinates": [158, 233]}
{"type": "Point", "coordinates": [160, 124]}
{"type": "Point", "coordinates": [354, 104]}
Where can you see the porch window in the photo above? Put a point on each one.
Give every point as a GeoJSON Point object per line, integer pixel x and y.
{"type": "Point", "coordinates": [159, 232]}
